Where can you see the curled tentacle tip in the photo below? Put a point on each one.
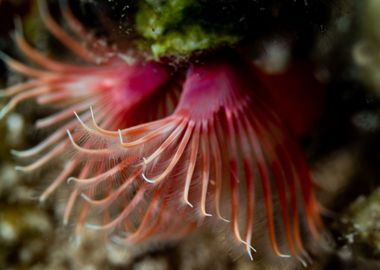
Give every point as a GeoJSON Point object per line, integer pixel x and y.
{"type": "Point", "coordinates": [71, 179]}
{"type": "Point", "coordinates": [147, 179]}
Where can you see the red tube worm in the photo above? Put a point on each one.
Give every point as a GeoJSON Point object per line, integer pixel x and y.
{"type": "Point", "coordinates": [223, 138]}
{"type": "Point", "coordinates": [119, 92]}
{"type": "Point", "coordinates": [156, 168]}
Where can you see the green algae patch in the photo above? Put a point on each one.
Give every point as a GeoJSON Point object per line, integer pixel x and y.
{"type": "Point", "coordinates": [192, 39]}
{"type": "Point", "coordinates": [180, 28]}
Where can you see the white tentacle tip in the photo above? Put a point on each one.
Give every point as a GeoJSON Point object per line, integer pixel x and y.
{"type": "Point", "coordinates": [3, 56]}
{"type": "Point", "coordinates": [94, 226]}
{"type": "Point", "coordinates": [145, 161]}
{"type": "Point", "coordinates": [189, 203]}
{"type": "Point", "coordinates": [225, 220]}
{"type": "Point", "coordinates": [120, 136]}
{"type": "Point", "coordinates": [77, 116]}
{"type": "Point", "coordinates": [147, 179]}
{"type": "Point", "coordinates": [85, 197]}
{"type": "Point", "coordinates": [303, 262]}
{"type": "Point", "coordinates": [250, 247]}
{"type": "Point", "coordinates": [71, 179]}
{"type": "Point", "coordinates": [15, 153]}
{"type": "Point", "coordinates": [65, 222]}
{"type": "Point", "coordinates": [250, 253]}
{"type": "Point", "coordinates": [3, 112]}
{"type": "Point", "coordinates": [92, 114]}
{"type": "Point", "coordinates": [42, 199]}
{"type": "Point", "coordinates": [70, 137]}
{"type": "Point", "coordinates": [305, 259]}
{"type": "Point", "coordinates": [250, 256]}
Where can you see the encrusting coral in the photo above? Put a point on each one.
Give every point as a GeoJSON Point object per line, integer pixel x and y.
{"type": "Point", "coordinates": [156, 154]}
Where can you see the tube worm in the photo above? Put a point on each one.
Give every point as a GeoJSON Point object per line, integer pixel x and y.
{"type": "Point", "coordinates": [119, 92]}
{"type": "Point", "coordinates": [223, 138]}
{"type": "Point", "coordinates": [156, 164]}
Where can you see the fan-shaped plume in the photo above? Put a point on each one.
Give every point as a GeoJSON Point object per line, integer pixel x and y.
{"type": "Point", "coordinates": [223, 145]}
{"type": "Point", "coordinates": [121, 95]}
{"type": "Point", "coordinates": [156, 163]}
